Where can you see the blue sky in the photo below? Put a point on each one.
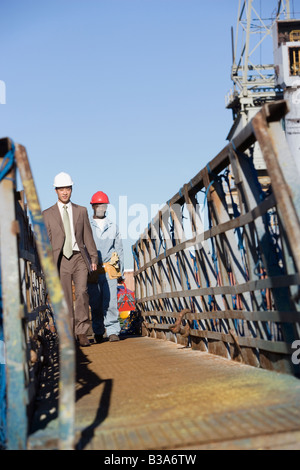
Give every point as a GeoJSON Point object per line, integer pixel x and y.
{"type": "Point", "coordinates": [125, 95]}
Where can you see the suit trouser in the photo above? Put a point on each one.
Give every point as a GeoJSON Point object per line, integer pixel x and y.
{"type": "Point", "coordinates": [75, 269]}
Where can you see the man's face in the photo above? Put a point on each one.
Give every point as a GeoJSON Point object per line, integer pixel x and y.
{"type": "Point", "coordinates": [64, 194]}
{"type": "Point", "coordinates": [99, 210]}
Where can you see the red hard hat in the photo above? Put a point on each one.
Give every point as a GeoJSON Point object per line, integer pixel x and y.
{"type": "Point", "coordinates": [99, 198]}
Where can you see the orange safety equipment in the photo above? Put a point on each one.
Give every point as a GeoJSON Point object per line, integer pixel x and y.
{"type": "Point", "coordinates": [99, 198]}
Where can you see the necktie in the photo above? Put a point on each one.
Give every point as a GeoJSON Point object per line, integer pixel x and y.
{"type": "Point", "coordinates": [67, 250]}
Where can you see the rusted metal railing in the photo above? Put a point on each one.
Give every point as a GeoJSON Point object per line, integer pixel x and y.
{"type": "Point", "coordinates": [32, 305]}
{"type": "Point", "coordinates": [218, 267]}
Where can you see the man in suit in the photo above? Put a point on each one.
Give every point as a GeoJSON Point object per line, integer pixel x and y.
{"type": "Point", "coordinates": [74, 252]}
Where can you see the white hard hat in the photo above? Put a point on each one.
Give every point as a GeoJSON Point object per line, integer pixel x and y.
{"type": "Point", "coordinates": [62, 180]}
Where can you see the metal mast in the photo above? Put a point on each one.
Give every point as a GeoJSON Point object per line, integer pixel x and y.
{"type": "Point", "coordinates": [254, 82]}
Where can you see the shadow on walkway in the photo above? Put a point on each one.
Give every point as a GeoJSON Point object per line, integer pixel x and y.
{"type": "Point", "coordinates": [86, 381]}
{"type": "Point", "coordinates": [45, 412]}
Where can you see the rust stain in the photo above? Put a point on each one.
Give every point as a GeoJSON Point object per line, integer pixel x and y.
{"type": "Point", "coordinates": [177, 328]}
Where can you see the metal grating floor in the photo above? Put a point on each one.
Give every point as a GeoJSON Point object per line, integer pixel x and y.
{"type": "Point", "coordinates": [148, 394]}
{"type": "Point", "coordinates": [153, 394]}
{"type": "Point", "coordinates": [184, 434]}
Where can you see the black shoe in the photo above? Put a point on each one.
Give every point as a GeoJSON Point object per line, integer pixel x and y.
{"type": "Point", "coordinates": [99, 338]}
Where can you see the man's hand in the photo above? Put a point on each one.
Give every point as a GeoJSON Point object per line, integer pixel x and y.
{"type": "Point", "coordinates": [94, 267]}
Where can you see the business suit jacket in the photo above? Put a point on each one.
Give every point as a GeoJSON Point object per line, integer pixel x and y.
{"type": "Point", "coordinates": [82, 230]}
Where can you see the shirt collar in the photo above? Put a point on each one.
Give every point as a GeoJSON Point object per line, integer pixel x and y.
{"type": "Point", "coordinates": [61, 204]}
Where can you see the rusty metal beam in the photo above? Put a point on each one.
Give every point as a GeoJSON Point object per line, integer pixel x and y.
{"type": "Point", "coordinates": [281, 190]}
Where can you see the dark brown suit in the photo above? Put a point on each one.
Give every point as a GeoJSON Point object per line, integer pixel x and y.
{"type": "Point", "coordinates": [77, 267]}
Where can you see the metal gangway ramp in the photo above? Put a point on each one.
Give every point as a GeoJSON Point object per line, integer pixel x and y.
{"type": "Point", "coordinates": [215, 364]}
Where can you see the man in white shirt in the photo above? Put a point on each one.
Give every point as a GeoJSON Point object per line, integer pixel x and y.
{"type": "Point", "coordinates": [103, 294]}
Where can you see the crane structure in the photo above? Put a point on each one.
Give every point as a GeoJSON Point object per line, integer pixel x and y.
{"type": "Point", "coordinates": [254, 81]}
{"type": "Point", "coordinates": [286, 40]}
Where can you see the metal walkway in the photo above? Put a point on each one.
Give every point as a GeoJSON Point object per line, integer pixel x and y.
{"type": "Point", "coordinates": [221, 286]}
{"type": "Point", "coordinates": [142, 393]}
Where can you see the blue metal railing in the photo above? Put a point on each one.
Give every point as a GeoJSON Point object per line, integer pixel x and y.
{"type": "Point", "coordinates": [31, 298]}
{"type": "Point", "coordinates": [2, 378]}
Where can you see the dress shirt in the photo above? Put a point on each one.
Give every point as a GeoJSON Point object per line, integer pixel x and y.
{"type": "Point", "coordinates": [70, 212]}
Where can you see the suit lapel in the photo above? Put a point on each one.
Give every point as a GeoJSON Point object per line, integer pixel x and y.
{"type": "Point", "coordinates": [57, 216]}
{"type": "Point", "coordinates": [75, 210]}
